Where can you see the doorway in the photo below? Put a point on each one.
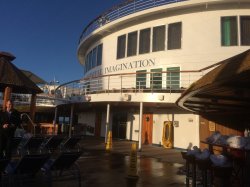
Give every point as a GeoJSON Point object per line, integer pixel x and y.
{"type": "Point", "coordinates": [119, 125]}
{"type": "Point", "coordinates": [147, 128]}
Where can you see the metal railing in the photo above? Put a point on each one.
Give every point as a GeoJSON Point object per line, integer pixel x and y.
{"type": "Point", "coordinates": [122, 10]}
{"type": "Point", "coordinates": [41, 100]}
{"type": "Point", "coordinates": [31, 122]}
{"type": "Point", "coordinates": [142, 82]}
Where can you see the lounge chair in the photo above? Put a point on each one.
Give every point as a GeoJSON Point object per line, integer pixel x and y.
{"type": "Point", "coordinates": [15, 146]}
{"type": "Point", "coordinates": [71, 143]}
{"type": "Point", "coordinates": [52, 143]}
{"type": "Point", "coordinates": [3, 164]}
{"type": "Point", "coordinates": [63, 167]}
{"type": "Point", "coordinates": [26, 168]}
{"type": "Point", "coordinates": [32, 145]}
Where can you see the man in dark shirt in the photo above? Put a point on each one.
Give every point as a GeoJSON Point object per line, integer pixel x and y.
{"type": "Point", "coordinates": [10, 120]}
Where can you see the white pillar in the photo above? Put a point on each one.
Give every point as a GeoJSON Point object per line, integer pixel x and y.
{"type": "Point", "coordinates": [71, 119]}
{"type": "Point", "coordinates": [140, 125]}
{"type": "Point", "coordinates": [54, 122]}
{"type": "Point", "coordinates": [107, 122]}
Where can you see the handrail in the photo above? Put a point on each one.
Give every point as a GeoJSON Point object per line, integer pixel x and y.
{"type": "Point", "coordinates": [136, 82]}
{"type": "Point", "coordinates": [31, 121]}
{"type": "Point", "coordinates": [121, 10]}
{"type": "Point", "coordinates": [131, 82]}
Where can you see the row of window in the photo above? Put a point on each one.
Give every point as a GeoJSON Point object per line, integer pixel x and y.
{"type": "Point", "coordinates": [229, 30]}
{"type": "Point", "coordinates": [156, 79]}
{"type": "Point", "coordinates": [93, 58]}
{"type": "Point", "coordinates": [141, 42]}
{"type": "Point", "coordinates": [158, 40]}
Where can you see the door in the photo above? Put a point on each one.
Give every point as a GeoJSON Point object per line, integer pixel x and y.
{"type": "Point", "coordinates": [119, 125]}
{"type": "Point", "coordinates": [147, 128]}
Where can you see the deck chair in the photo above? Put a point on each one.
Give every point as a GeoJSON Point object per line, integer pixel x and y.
{"type": "Point", "coordinates": [63, 167]}
{"type": "Point", "coordinates": [15, 142]}
{"type": "Point", "coordinates": [3, 164]}
{"type": "Point", "coordinates": [71, 143]}
{"type": "Point", "coordinates": [52, 143]}
{"type": "Point", "coordinates": [26, 168]}
{"type": "Point", "coordinates": [32, 145]}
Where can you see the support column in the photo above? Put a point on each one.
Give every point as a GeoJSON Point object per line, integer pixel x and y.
{"type": "Point", "coordinates": [140, 125]}
{"type": "Point", "coordinates": [32, 113]}
{"type": "Point", "coordinates": [33, 107]}
{"type": "Point", "coordinates": [54, 121]}
{"type": "Point", "coordinates": [7, 96]}
{"type": "Point", "coordinates": [71, 119]}
{"type": "Point", "coordinates": [107, 122]}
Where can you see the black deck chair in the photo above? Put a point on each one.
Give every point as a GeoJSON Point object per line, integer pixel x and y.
{"type": "Point", "coordinates": [71, 143]}
{"type": "Point", "coordinates": [26, 168]}
{"type": "Point", "coordinates": [52, 143]}
{"type": "Point", "coordinates": [32, 145]}
{"type": "Point", "coordinates": [15, 142]}
{"type": "Point", "coordinates": [3, 163]}
{"type": "Point", "coordinates": [63, 166]}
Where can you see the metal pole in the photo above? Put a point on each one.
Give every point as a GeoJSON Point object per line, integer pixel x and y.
{"type": "Point", "coordinates": [140, 124]}
{"type": "Point", "coordinates": [54, 122]}
{"type": "Point", "coordinates": [107, 122]}
{"type": "Point", "coordinates": [71, 119]}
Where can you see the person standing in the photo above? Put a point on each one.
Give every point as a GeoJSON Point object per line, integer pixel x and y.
{"type": "Point", "coordinates": [10, 120]}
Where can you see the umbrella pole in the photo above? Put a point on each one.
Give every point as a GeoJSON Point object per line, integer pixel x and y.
{"type": "Point", "coordinates": [7, 96]}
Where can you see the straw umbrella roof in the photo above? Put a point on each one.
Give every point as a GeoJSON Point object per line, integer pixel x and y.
{"type": "Point", "coordinates": [34, 77]}
{"type": "Point", "coordinates": [225, 89]}
{"type": "Point", "coordinates": [11, 76]}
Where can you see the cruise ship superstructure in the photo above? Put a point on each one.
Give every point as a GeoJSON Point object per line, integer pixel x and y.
{"type": "Point", "coordinates": [139, 57]}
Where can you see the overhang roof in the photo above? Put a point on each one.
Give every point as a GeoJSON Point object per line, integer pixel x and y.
{"type": "Point", "coordinates": [223, 90]}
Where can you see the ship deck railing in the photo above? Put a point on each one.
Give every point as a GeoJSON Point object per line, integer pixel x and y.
{"type": "Point", "coordinates": [137, 82]}
{"type": "Point", "coordinates": [124, 9]}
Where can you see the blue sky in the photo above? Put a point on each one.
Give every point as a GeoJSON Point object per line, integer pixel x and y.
{"type": "Point", "coordinates": [44, 34]}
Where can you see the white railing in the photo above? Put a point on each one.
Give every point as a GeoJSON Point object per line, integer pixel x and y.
{"type": "Point", "coordinates": [140, 82]}
{"type": "Point", "coordinates": [31, 122]}
{"type": "Point", "coordinates": [41, 100]}
{"type": "Point", "coordinates": [148, 82]}
{"type": "Point", "coordinates": [122, 10]}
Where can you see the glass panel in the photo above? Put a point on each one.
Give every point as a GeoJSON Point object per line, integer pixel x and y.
{"type": "Point", "coordinates": [94, 57]}
{"type": "Point", "coordinates": [159, 38]}
{"type": "Point", "coordinates": [173, 78]}
{"type": "Point", "coordinates": [245, 30]}
{"type": "Point", "coordinates": [132, 44]}
{"type": "Point", "coordinates": [90, 60]}
{"type": "Point", "coordinates": [141, 79]}
{"type": "Point", "coordinates": [144, 41]}
{"type": "Point", "coordinates": [174, 35]}
{"type": "Point", "coordinates": [99, 55]}
{"type": "Point", "coordinates": [156, 78]}
{"type": "Point", "coordinates": [229, 32]}
{"type": "Point", "coordinates": [121, 46]}
{"type": "Point", "coordinates": [86, 63]}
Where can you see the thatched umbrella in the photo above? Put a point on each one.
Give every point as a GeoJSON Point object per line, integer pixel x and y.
{"type": "Point", "coordinates": [14, 80]}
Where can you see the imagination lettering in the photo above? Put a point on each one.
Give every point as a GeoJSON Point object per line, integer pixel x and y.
{"type": "Point", "coordinates": [130, 65]}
